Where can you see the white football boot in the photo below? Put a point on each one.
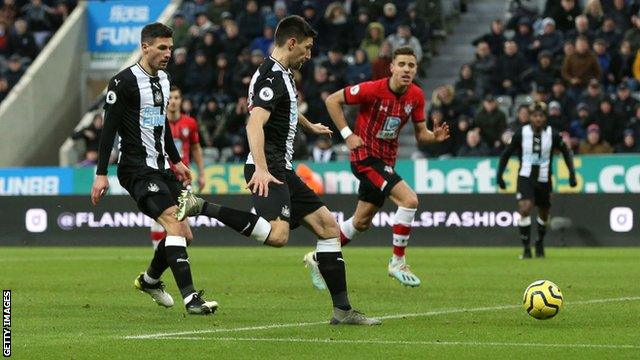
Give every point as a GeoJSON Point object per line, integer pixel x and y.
{"type": "Point", "coordinates": [312, 265]}
{"type": "Point", "coordinates": [401, 272]}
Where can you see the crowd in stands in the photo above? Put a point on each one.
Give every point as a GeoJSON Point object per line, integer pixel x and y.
{"type": "Point", "coordinates": [220, 43]}
{"type": "Point", "coordinates": [580, 59]}
{"type": "Point", "coordinates": [25, 28]}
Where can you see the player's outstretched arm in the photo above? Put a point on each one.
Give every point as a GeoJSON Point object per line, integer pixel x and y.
{"type": "Point", "coordinates": [424, 136]}
{"type": "Point", "coordinates": [516, 142]}
{"type": "Point", "coordinates": [334, 104]}
{"type": "Point", "coordinates": [261, 178]}
{"type": "Point", "coordinates": [567, 154]}
{"type": "Point", "coordinates": [313, 128]}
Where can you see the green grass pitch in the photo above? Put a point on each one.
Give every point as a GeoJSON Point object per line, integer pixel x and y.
{"type": "Point", "coordinates": [77, 303]}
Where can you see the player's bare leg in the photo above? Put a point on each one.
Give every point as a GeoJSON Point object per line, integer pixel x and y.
{"type": "Point", "coordinates": [360, 221]}
{"type": "Point", "coordinates": [541, 220]}
{"type": "Point", "coordinates": [524, 225]}
{"type": "Point", "coordinates": [331, 266]}
{"type": "Point", "coordinates": [407, 201]}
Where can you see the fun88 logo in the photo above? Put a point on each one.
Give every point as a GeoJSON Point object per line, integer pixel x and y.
{"type": "Point", "coordinates": [152, 116]}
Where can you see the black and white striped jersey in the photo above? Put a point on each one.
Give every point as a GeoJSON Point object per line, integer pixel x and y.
{"type": "Point", "coordinates": [535, 152]}
{"type": "Point", "coordinates": [135, 109]}
{"type": "Point", "coordinates": [272, 87]}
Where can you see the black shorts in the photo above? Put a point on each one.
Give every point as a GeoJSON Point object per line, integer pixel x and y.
{"type": "Point", "coordinates": [531, 189]}
{"type": "Point", "coordinates": [154, 191]}
{"type": "Point", "coordinates": [376, 180]}
{"type": "Point", "coordinates": [290, 201]}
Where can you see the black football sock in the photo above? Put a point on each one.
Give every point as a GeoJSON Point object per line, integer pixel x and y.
{"type": "Point", "coordinates": [159, 262]}
{"type": "Point", "coordinates": [178, 260]}
{"type": "Point", "coordinates": [331, 265]}
{"type": "Point", "coordinates": [542, 231]}
{"type": "Point", "coordinates": [524, 224]}
{"type": "Point", "coordinates": [244, 222]}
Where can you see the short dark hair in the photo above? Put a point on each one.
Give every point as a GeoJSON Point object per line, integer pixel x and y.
{"type": "Point", "coordinates": [155, 30]}
{"type": "Point", "coordinates": [293, 26]}
{"type": "Point", "coordinates": [404, 50]}
{"type": "Point", "coordinates": [175, 88]}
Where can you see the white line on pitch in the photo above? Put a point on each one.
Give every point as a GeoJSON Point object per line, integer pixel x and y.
{"type": "Point", "coordinates": [396, 316]}
{"type": "Point", "coordinates": [392, 342]}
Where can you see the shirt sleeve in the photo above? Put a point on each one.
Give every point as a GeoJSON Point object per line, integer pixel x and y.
{"type": "Point", "coordinates": [169, 144]}
{"type": "Point", "coordinates": [359, 93]}
{"type": "Point", "coordinates": [114, 110]}
{"type": "Point", "coordinates": [417, 114]}
{"type": "Point", "coordinates": [267, 92]}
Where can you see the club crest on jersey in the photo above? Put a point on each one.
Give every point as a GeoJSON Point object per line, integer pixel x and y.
{"type": "Point", "coordinates": [157, 97]}
{"type": "Point", "coordinates": [354, 90]}
{"type": "Point", "coordinates": [185, 132]}
{"type": "Point", "coordinates": [285, 211]}
{"type": "Point", "coordinates": [266, 93]}
{"type": "Point", "coordinates": [153, 187]}
{"type": "Point", "coordinates": [111, 97]}
{"type": "Point", "coordinates": [407, 109]}
{"type": "Point", "coordinates": [388, 169]}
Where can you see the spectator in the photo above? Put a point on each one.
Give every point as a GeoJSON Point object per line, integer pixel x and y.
{"type": "Point", "coordinates": [210, 45]}
{"type": "Point", "coordinates": [604, 61]}
{"type": "Point", "coordinates": [316, 91]}
{"type": "Point", "coordinates": [187, 107]}
{"type": "Point", "coordinates": [544, 74]}
{"type": "Point", "coordinates": [245, 67]}
{"type": "Point", "coordinates": [580, 67]}
{"type": "Point", "coordinates": [373, 40]}
{"type": "Point", "coordinates": [216, 9]}
{"type": "Point", "coordinates": [550, 39]}
{"type": "Point", "coordinates": [198, 78]}
{"type": "Point", "coordinates": [624, 104]}
{"type": "Point", "coordinates": [623, 65]}
{"type": "Point", "coordinates": [436, 150]}
{"type": "Point", "coordinates": [565, 15]}
{"type": "Point", "coordinates": [559, 94]}
{"type": "Point", "coordinates": [335, 28]}
{"type": "Point", "coordinates": [510, 69]}
{"type": "Point", "coordinates": [91, 137]}
{"type": "Point", "coordinates": [59, 14]}
{"type": "Point", "coordinates": [524, 37]}
{"type": "Point", "coordinates": [336, 67]}
{"type": "Point", "coordinates": [581, 28]}
{"type": "Point", "coordinates": [191, 9]}
{"type": "Point", "coordinates": [592, 96]}
{"type": "Point", "coordinates": [22, 42]}
{"type": "Point", "coordinates": [593, 144]}
{"type": "Point", "coordinates": [474, 146]}
{"type": "Point", "coordinates": [223, 80]}
{"type": "Point", "coordinates": [495, 38]}
{"type": "Point", "coordinates": [459, 137]}
{"type": "Point", "coordinates": [491, 121]}
{"type": "Point", "coordinates": [180, 30]}
{"type": "Point", "coordinates": [633, 34]}
{"type": "Point", "coordinates": [322, 151]}
{"type": "Point", "coordinates": [8, 12]}
{"type": "Point", "coordinates": [264, 42]}
{"type": "Point", "coordinates": [484, 68]}
{"type": "Point", "coordinates": [381, 67]}
{"type": "Point", "coordinates": [212, 120]}
{"type": "Point", "coordinates": [237, 115]}
{"type": "Point", "coordinates": [14, 71]}
{"type": "Point", "coordinates": [38, 17]}
{"type": "Point", "coordinates": [629, 143]}
{"type": "Point", "coordinates": [594, 12]}
{"type": "Point", "coordinates": [178, 67]}
{"type": "Point", "coordinates": [5, 44]}
{"type": "Point", "coordinates": [522, 118]}
{"type": "Point", "coordinates": [634, 122]}
{"type": "Point", "coordinates": [359, 30]}
{"type": "Point", "coordinates": [389, 19]}
{"type": "Point", "coordinates": [202, 24]}
{"type": "Point", "coordinates": [556, 117]}
{"type": "Point", "coordinates": [443, 98]}
{"type": "Point", "coordinates": [465, 90]}
{"type": "Point", "coordinates": [609, 33]}
{"type": "Point", "coordinates": [250, 21]}
{"type": "Point", "coordinates": [279, 13]}
{"type": "Point", "coordinates": [403, 37]}
{"type": "Point", "coordinates": [577, 131]}
{"type": "Point", "coordinates": [419, 27]}
{"type": "Point", "coordinates": [232, 41]}
{"type": "Point", "coordinates": [238, 152]}
{"type": "Point", "coordinates": [610, 124]}
{"type": "Point", "coordinates": [360, 70]}
{"type": "Point", "coordinates": [310, 14]}
{"type": "Point", "coordinates": [540, 94]}
{"type": "Point", "coordinates": [620, 15]}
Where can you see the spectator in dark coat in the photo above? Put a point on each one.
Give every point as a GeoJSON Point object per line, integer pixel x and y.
{"type": "Point", "coordinates": [620, 15]}
{"type": "Point", "coordinates": [495, 38]}
{"type": "Point", "coordinates": [178, 68]}
{"type": "Point", "coordinates": [335, 29]}
{"type": "Point", "coordinates": [360, 70]}
{"type": "Point", "coordinates": [624, 104]}
{"type": "Point", "coordinates": [198, 79]}
{"type": "Point", "coordinates": [491, 121]}
{"type": "Point", "coordinates": [550, 39]}
{"type": "Point", "coordinates": [524, 37]}
{"type": "Point", "coordinates": [465, 90]}
{"type": "Point", "coordinates": [510, 68]}
{"type": "Point", "coordinates": [484, 68]}
{"type": "Point", "coordinates": [336, 67]}
{"type": "Point", "coordinates": [380, 67]}
{"type": "Point", "coordinates": [633, 34]}
{"type": "Point", "coordinates": [389, 19]}
{"type": "Point", "coordinates": [581, 28]}
{"type": "Point", "coordinates": [556, 117]}
{"type": "Point", "coordinates": [609, 33]}
{"type": "Point", "coordinates": [14, 71]}
{"type": "Point", "coordinates": [232, 41]}
{"type": "Point", "coordinates": [264, 42]}
{"type": "Point", "coordinates": [611, 124]}
{"type": "Point", "coordinates": [22, 42]}
{"type": "Point", "coordinates": [559, 94]}
{"type": "Point", "coordinates": [250, 21]}
{"type": "Point", "coordinates": [474, 146]}
{"type": "Point", "coordinates": [629, 143]}
{"type": "Point", "coordinates": [544, 73]}
{"type": "Point", "coordinates": [566, 14]}
{"type": "Point", "coordinates": [592, 96]}
{"type": "Point", "coordinates": [419, 27]}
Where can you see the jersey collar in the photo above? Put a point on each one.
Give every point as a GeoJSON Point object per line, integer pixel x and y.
{"type": "Point", "coordinates": [145, 71]}
{"type": "Point", "coordinates": [280, 65]}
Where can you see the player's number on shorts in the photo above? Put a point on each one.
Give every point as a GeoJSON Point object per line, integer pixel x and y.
{"type": "Point", "coordinates": [390, 128]}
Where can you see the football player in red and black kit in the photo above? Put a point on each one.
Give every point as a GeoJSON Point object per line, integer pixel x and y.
{"type": "Point", "coordinates": [184, 130]}
{"type": "Point", "coordinates": [386, 105]}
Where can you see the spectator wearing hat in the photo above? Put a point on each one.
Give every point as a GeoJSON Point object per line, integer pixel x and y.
{"type": "Point", "coordinates": [494, 38]}
{"type": "Point", "coordinates": [610, 123]}
{"type": "Point", "coordinates": [484, 67]}
{"type": "Point", "coordinates": [180, 30]}
{"type": "Point", "coordinates": [373, 40]}
{"type": "Point", "coordinates": [609, 33]}
{"type": "Point", "coordinates": [593, 144]}
{"type": "Point", "coordinates": [279, 12]}
{"type": "Point", "coordinates": [473, 146]}
{"type": "Point", "coordinates": [510, 69]}
{"type": "Point", "coordinates": [624, 104]}
{"type": "Point", "coordinates": [491, 121]}
{"type": "Point", "coordinates": [565, 15]}
{"type": "Point", "coordinates": [578, 127]}
{"type": "Point", "coordinates": [556, 117]}
{"type": "Point", "coordinates": [628, 144]}
{"type": "Point", "coordinates": [403, 37]}
{"type": "Point", "coordinates": [523, 35]}
{"type": "Point", "coordinates": [15, 70]}
{"type": "Point", "coordinates": [310, 14]}
{"type": "Point", "coordinates": [201, 25]}
{"type": "Point", "coordinates": [581, 29]}
{"type": "Point", "coordinates": [544, 73]}
{"type": "Point", "coordinates": [580, 67]}
{"type": "Point", "coordinates": [550, 39]}
{"type": "Point", "coordinates": [592, 96]}
{"type": "Point", "coordinates": [335, 28]}
{"type": "Point", "coordinates": [264, 42]}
